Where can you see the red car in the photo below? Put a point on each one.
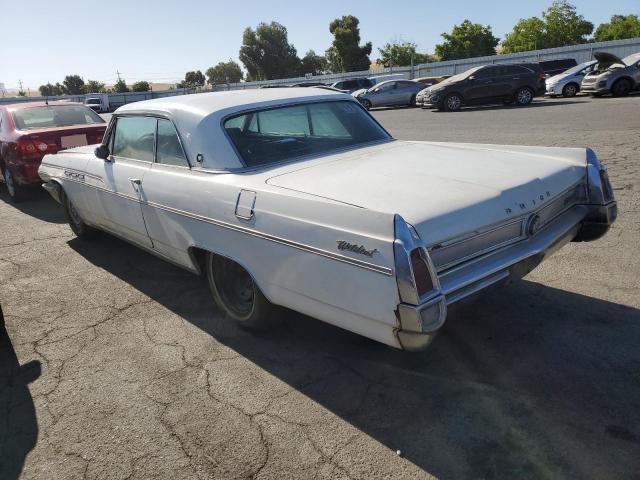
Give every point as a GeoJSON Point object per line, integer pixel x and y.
{"type": "Point", "coordinates": [30, 130]}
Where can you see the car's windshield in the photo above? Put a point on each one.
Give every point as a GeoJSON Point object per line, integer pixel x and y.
{"type": "Point", "coordinates": [577, 68]}
{"type": "Point", "coordinates": [269, 136]}
{"type": "Point", "coordinates": [459, 76]}
{"type": "Point", "coordinates": [631, 59]}
{"type": "Point", "coordinates": [54, 116]}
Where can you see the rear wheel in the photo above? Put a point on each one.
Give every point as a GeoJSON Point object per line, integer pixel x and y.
{"type": "Point", "coordinates": [621, 88]}
{"type": "Point", "coordinates": [236, 294]}
{"type": "Point", "coordinates": [412, 101]}
{"type": "Point", "coordinates": [366, 104]}
{"type": "Point", "coordinates": [452, 102]}
{"type": "Point", "coordinates": [523, 96]}
{"type": "Point", "coordinates": [570, 90]}
{"type": "Point", "coordinates": [16, 192]}
{"type": "Point", "coordinates": [79, 227]}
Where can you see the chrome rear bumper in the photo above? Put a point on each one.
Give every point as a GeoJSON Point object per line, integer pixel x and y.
{"type": "Point", "coordinates": [581, 222]}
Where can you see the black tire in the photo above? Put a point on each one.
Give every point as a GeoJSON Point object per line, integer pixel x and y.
{"type": "Point", "coordinates": [237, 294]}
{"type": "Point", "coordinates": [523, 96]}
{"type": "Point", "coordinates": [570, 90]}
{"type": "Point", "coordinates": [412, 102]}
{"type": "Point", "coordinates": [81, 229]}
{"type": "Point", "coordinates": [16, 193]}
{"type": "Point", "coordinates": [452, 102]}
{"type": "Point", "coordinates": [621, 88]}
{"type": "Point", "coordinates": [366, 103]}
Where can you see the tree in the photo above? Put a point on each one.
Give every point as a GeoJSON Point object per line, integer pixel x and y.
{"type": "Point", "coordinates": [313, 63]}
{"type": "Point", "coordinates": [564, 26]}
{"type": "Point", "coordinates": [266, 52]}
{"type": "Point", "coordinates": [401, 55]}
{"type": "Point", "coordinates": [527, 34]}
{"type": "Point", "coordinates": [49, 90]}
{"type": "Point", "coordinates": [141, 86]}
{"type": "Point", "coordinates": [345, 53]}
{"type": "Point", "coordinates": [192, 80]}
{"type": "Point", "coordinates": [94, 86]}
{"type": "Point", "coordinates": [467, 40]}
{"type": "Point", "coordinates": [620, 27]}
{"type": "Point", "coordinates": [224, 72]}
{"type": "Point", "coordinates": [120, 86]}
{"type": "Point", "coordinates": [73, 85]}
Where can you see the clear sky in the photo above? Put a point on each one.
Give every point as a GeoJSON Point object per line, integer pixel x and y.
{"type": "Point", "coordinates": [44, 40]}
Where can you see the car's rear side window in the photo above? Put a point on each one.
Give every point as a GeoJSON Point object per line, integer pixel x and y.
{"type": "Point", "coordinates": [135, 138]}
{"type": "Point", "coordinates": [273, 135]}
{"type": "Point", "coordinates": [169, 150]}
{"type": "Point", "coordinates": [51, 116]}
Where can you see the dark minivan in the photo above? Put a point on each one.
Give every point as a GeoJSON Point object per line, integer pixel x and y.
{"type": "Point", "coordinates": [554, 67]}
{"type": "Point", "coordinates": [498, 83]}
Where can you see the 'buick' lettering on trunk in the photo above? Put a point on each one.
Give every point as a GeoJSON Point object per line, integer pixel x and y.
{"type": "Point", "coordinates": [344, 245]}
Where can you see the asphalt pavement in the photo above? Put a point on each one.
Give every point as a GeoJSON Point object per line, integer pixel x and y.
{"type": "Point", "coordinates": [116, 365]}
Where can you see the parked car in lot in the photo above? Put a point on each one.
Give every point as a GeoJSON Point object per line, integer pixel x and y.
{"type": "Point", "coordinates": [98, 102]}
{"type": "Point", "coordinates": [568, 83]}
{"type": "Point", "coordinates": [299, 198]}
{"type": "Point", "coordinates": [428, 81]}
{"type": "Point", "coordinates": [507, 83]}
{"type": "Point", "coordinates": [352, 84]}
{"type": "Point", "coordinates": [613, 75]}
{"type": "Point", "coordinates": [554, 67]}
{"type": "Point", "coordinates": [30, 130]}
{"type": "Point", "coordinates": [392, 93]}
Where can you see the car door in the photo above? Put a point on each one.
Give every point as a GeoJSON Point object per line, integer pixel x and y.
{"type": "Point", "coordinates": [508, 79]}
{"type": "Point", "coordinates": [385, 94]}
{"type": "Point", "coordinates": [479, 86]}
{"type": "Point", "coordinates": [117, 181]}
{"type": "Point", "coordinates": [404, 91]}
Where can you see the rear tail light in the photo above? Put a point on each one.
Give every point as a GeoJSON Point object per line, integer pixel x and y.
{"type": "Point", "coordinates": [606, 185]}
{"type": "Point", "coordinates": [30, 147]}
{"type": "Point", "coordinates": [421, 274]}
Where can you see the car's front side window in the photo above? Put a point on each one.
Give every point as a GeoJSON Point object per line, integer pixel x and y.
{"type": "Point", "coordinates": [169, 150]}
{"type": "Point", "coordinates": [135, 138]}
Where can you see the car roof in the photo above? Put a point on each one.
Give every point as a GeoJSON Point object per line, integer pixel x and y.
{"type": "Point", "coordinates": [198, 117]}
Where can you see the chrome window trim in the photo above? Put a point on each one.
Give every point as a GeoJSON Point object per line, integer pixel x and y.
{"type": "Point", "coordinates": [255, 233]}
{"type": "Point", "coordinates": [155, 156]}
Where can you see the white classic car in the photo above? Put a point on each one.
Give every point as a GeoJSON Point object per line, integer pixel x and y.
{"type": "Point", "coordinates": [297, 197]}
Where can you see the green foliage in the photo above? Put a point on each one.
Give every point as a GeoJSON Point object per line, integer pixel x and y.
{"type": "Point", "coordinates": [120, 87]}
{"type": "Point", "coordinates": [73, 85]}
{"type": "Point", "coordinates": [267, 54]}
{"type": "Point", "coordinates": [560, 25]}
{"type": "Point", "coordinates": [224, 72]}
{"type": "Point", "coordinates": [192, 80]}
{"type": "Point", "coordinates": [467, 40]}
{"type": "Point", "coordinates": [49, 90]}
{"type": "Point", "coordinates": [94, 86]}
{"type": "Point", "coordinates": [400, 55]}
{"type": "Point", "coordinates": [620, 27]}
{"type": "Point", "coordinates": [564, 26]}
{"type": "Point", "coordinates": [345, 53]}
{"type": "Point", "coordinates": [141, 86]}
{"type": "Point", "coordinates": [527, 34]}
{"type": "Point", "coordinates": [22, 93]}
{"type": "Point", "coordinates": [313, 63]}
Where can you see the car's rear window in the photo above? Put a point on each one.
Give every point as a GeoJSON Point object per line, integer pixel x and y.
{"type": "Point", "coordinates": [269, 136]}
{"type": "Point", "coordinates": [54, 116]}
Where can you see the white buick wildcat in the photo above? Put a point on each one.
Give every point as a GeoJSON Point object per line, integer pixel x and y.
{"type": "Point", "coordinates": [299, 198]}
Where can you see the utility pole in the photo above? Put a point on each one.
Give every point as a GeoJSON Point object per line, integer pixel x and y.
{"type": "Point", "coordinates": [118, 74]}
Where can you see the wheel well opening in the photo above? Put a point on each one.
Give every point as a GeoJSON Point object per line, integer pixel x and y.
{"type": "Point", "coordinates": [198, 257]}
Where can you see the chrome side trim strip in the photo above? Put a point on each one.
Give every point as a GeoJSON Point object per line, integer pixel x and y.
{"type": "Point", "coordinates": [255, 233]}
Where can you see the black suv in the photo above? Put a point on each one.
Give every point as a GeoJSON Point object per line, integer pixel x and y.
{"type": "Point", "coordinates": [554, 67]}
{"type": "Point", "coordinates": [505, 83]}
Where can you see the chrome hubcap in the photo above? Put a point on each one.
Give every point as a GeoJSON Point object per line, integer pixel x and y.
{"type": "Point", "coordinates": [524, 96]}
{"type": "Point", "coordinates": [453, 103]}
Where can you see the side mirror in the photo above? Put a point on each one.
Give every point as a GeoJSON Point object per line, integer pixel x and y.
{"type": "Point", "coordinates": [102, 152]}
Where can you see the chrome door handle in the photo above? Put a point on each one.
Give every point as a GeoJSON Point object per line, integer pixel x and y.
{"type": "Point", "coordinates": [135, 181]}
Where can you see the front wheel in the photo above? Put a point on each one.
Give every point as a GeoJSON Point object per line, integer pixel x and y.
{"type": "Point", "coordinates": [523, 96]}
{"type": "Point", "coordinates": [621, 88]}
{"type": "Point", "coordinates": [236, 294]}
{"type": "Point", "coordinates": [16, 192]}
{"type": "Point", "coordinates": [366, 104]}
{"type": "Point", "coordinates": [570, 90]}
{"type": "Point", "coordinates": [79, 227]}
{"type": "Point", "coordinates": [452, 102]}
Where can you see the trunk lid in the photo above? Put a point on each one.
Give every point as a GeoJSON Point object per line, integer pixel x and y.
{"type": "Point", "coordinates": [607, 58]}
{"type": "Point", "coordinates": [442, 189]}
{"type": "Point", "coordinates": [63, 138]}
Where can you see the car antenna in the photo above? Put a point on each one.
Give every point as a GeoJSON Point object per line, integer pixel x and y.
{"type": "Point", "coordinates": [46, 101]}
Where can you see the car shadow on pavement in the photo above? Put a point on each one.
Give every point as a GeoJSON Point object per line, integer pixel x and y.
{"type": "Point", "coordinates": [535, 104]}
{"type": "Point", "coordinates": [530, 381]}
{"type": "Point", "coordinates": [38, 204]}
{"type": "Point", "coordinates": [18, 423]}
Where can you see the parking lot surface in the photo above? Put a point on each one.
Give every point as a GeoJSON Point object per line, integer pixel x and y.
{"type": "Point", "coordinates": [117, 365]}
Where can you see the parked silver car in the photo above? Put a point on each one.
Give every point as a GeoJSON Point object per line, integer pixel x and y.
{"type": "Point", "coordinates": [390, 93]}
{"type": "Point", "coordinates": [568, 83]}
{"type": "Point", "coordinates": [613, 75]}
